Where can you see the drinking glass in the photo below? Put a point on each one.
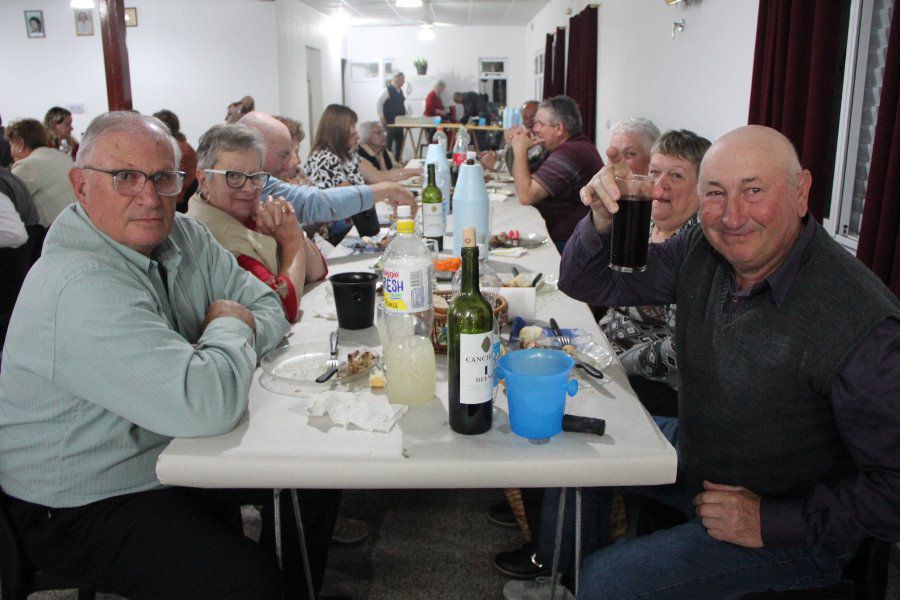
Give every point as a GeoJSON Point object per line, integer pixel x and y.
{"type": "Point", "coordinates": [631, 225]}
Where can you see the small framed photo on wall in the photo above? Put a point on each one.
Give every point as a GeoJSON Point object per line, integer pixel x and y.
{"type": "Point", "coordinates": [84, 22]}
{"type": "Point", "coordinates": [34, 23]}
{"type": "Point", "coordinates": [130, 16]}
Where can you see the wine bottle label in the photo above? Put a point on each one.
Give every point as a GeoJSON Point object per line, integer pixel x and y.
{"type": "Point", "coordinates": [432, 220]}
{"type": "Point", "coordinates": [476, 367]}
{"type": "Point", "coordinates": [407, 289]}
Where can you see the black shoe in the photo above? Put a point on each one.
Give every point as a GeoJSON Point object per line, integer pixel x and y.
{"type": "Point", "coordinates": [502, 515]}
{"type": "Point", "coordinates": [521, 563]}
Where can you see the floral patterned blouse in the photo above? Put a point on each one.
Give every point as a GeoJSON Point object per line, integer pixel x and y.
{"type": "Point", "coordinates": [327, 170]}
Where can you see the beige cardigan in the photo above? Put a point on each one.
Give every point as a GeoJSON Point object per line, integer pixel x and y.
{"type": "Point", "coordinates": [234, 235]}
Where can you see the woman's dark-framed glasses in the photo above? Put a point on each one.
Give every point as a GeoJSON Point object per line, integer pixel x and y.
{"type": "Point", "coordinates": [130, 182]}
{"type": "Point", "coordinates": [237, 179]}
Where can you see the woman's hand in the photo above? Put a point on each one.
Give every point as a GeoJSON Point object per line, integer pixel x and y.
{"type": "Point", "coordinates": [276, 217]}
{"type": "Point", "coordinates": [407, 172]}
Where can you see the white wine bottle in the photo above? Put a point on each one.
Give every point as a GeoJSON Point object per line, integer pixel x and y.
{"type": "Point", "coordinates": [470, 342]}
{"type": "Point", "coordinates": [433, 220]}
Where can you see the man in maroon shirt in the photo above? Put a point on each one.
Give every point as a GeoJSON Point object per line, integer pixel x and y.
{"type": "Point", "coordinates": [570, 162]}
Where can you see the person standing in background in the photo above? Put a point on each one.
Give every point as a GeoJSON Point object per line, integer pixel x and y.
{"type": "Point", "coordinates": [434, 106]}
{"type": "Point", "coordinates": [392, 104]}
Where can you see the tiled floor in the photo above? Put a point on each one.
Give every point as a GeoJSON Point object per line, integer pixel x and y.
{"type": "Point", "coordinates": [434, 544]}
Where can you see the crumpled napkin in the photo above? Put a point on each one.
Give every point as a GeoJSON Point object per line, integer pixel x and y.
{"type": "Point", "coordinates": [363, 409]}
{"type": "Point", "coordinates": [328, 311]}
{"type": "Point", "coordinates": [497, 197]}
{"type": "Point", "coordinates": [513, 252]}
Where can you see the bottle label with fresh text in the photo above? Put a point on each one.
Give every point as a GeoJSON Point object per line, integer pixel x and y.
{"type": "Point", "coordinates": [476, 367]}
{"type": "Point", "coordinates": [407, 289]}
{"type": "Point", "coordinates": [432, 220]}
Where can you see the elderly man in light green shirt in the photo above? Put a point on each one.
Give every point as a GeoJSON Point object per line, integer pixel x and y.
{"type": "Point", "coordinates": [133, 328]}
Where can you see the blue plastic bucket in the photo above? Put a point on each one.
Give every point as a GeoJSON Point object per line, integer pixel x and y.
{"type": "Point", "coordinates": [536, 387]}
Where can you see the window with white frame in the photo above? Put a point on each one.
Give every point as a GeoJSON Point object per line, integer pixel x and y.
{"type": "Point", "coordinates": [538, 75]}
{"type": "Point", "coordinates": [870, 23]}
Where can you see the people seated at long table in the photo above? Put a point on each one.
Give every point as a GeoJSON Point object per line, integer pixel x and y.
{"type": "Point", "coordinates": [788, 415]}
{"type": "Point", "coordinates": [378, 163]}
{"type": "Point", "coordinates": [643, 336]}
{"type": "Point", "coordinates": [134, 327]}
{"type": "Point", "coordinates": [311, 204]}
{"type": "Point", "coordinates": [571, 160]}
{"type": "Point", "coordinates": [265, 237]}
{"type": "Point", "coordinates": [44, 170]}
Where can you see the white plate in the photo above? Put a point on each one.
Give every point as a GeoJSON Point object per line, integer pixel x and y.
{"type": "Point", "coordinates": [526, 240]}
{"type": "Point", "coordinates": [298, 366]}
{"type": "Point", "coordinates": [546, 285]}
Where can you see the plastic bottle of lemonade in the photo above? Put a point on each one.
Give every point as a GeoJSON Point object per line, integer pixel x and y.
{"type": "Point", "coordinates": [408, 351]}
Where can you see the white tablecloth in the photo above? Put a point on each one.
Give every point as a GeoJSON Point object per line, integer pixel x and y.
{"type": "Point", "coordinates": [276, 447]}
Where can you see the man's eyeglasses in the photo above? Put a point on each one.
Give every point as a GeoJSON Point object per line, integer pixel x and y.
{"type": "Point", "coordinates": [130, 182]}
{"type": "Point", "coordinates": [237, 179]}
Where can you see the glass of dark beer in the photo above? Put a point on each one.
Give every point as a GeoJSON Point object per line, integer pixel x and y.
{"type": "Point", "coordinates": [631, 225]}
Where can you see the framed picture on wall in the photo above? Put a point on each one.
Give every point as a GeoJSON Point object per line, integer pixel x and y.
{"type": "Point", "coordinates": [84, 22]}
{"type": "Point", "coordinates": [34, 23]}
{"type": "Point", "coordinates": [390, 67]}
{"type": "Point", "coordinates": [130, 16]}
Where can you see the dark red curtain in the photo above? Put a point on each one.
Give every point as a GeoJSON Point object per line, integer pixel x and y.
{"type": "Point", "coordinates": [559, 63]}
{"type": "Point", "coordinates": [880, 229]}
{"type": "Point", "coordinates": [581, 72]}
{"type": "Point", "coordinates": [548, 66]}
{"type": "Point", "coordinates": [797, 76]}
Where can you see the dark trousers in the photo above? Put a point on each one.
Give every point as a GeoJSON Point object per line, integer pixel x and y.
{"type": "Point", "coordinates": [395, 141]}
{"type": "Point", "coordinates": [177, 543]}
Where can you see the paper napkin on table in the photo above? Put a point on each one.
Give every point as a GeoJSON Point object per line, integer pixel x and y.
{"type": "Point", "coordinates": [363, 409]}
{"type": "Point", "coordinates": [513, 252]}
{"type": "Point", "coordinates": [497, 197]}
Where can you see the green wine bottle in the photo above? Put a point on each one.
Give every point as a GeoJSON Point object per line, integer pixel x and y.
{"type": "Point", "coordinates": [470, 342]}
{"type": "Point", "coordinates": [433, 221]}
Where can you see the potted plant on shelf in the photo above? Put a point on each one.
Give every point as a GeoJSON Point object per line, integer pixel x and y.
{"type": "Point", "coordinates": [421, 65]}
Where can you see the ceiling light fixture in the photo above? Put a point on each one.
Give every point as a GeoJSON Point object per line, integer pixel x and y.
{"type": "Point", "coordinates": [409, 3]}
{"type": "Point", "coordinates": [426, 34]}
{"type": "Point", "coordinates": [82, 3]}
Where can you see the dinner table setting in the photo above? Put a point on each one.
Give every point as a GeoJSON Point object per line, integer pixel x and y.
{"type": "Point", "coordinates": [318, 415]}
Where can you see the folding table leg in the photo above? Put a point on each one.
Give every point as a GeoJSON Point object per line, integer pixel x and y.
{"type": "Point", "coordinates": [304, 552]}
{"type": "Point", "coordinates": [276, 503]}
{"type": "Point", "coordinates": [560, 516]}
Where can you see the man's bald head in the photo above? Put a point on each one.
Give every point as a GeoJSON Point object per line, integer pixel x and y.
{"type": "Point", "coordinates": [753, 197]}
{"type": "Point", "coordinates": [758, 140]}
{"type": "Point", "coordinates": [281, 160]}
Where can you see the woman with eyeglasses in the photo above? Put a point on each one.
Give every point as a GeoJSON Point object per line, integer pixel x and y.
{"type": "Point", "coordinates": [265, 237]}
{"type": "Point", "coordinates": [378, 162]}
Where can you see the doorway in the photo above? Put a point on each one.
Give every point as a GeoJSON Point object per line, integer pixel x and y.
{"type": "Point", "coordinates": [313, 88]}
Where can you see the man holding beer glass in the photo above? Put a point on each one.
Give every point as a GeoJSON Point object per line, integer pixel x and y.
{"type": "Point", "coordinates": [788, 416]}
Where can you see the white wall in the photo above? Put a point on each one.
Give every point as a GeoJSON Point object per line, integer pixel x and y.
{"type": "Point", "coordinates": [699, 81]}
{"type": "Point", "coordinates": [193, 57]}
{"type": "Point", "coordinates": [298, 27]}
{"type": "Point", "coordinates": [453, 57]}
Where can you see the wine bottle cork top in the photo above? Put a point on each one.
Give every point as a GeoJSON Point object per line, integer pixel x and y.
{"type": "Point", "coordinates": [468, 237]}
